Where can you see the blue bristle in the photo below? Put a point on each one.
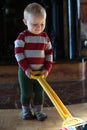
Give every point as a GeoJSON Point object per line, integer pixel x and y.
{"type": "Point", "coordinates": [85, 127]}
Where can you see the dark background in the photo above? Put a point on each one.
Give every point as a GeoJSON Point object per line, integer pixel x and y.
{"type": "Point", "coordinates": [11, 15]}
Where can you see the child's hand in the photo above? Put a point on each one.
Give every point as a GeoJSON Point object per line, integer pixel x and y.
{"type": "Point", "coordinates": [45, 72]}
{"type": "Point", "coordinates": [28, 72]}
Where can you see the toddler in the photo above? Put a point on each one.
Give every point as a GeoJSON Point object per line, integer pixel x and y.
{"type": "Point", "coordinates": [33, 52]}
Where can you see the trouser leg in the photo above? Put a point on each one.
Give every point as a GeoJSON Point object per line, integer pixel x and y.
{"type": "Point", "coordinates": [26, 87]}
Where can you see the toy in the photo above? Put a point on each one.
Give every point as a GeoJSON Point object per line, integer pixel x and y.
{"type": "Point", "coordinates": [69, 122]}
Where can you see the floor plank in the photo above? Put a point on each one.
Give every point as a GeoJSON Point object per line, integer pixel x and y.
{"type": "Point", "coordinates": [10, 119]}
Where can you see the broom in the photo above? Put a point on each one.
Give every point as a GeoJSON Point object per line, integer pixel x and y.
{"type": "Point", "coordinates": [69, 122]}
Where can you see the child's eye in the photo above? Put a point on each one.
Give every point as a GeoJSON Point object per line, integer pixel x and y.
{"type": "Point", "coordinates": [35, 25]}
{"type": "Point", "coordinates": [42, 24]}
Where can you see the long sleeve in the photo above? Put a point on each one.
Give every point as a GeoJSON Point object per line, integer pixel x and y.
{"type": "Point", "coordinates": [19, 52]}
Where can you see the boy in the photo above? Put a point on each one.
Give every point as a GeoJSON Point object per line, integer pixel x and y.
{"type": "Point", "coordinates": [33, 52]}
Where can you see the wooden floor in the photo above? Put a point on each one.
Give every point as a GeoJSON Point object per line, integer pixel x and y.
{"type": "Point", "coordinates": [10, 119]}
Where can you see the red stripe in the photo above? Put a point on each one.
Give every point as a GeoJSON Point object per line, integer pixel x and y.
{"type": "Point", "coordinates": [35, 46]}
{"type": "Point", "coordinates": [27, 33]}
{"type": "Point", "coordinates": [18, 50]}
{"type": "Point", "coordinates": [24, 64]}
{"type": "Point", "coordinates": [35, 60]}
{"type": "Point", "coordinates": [48, 65]}
{"type": "Point", "coordinates": [47, 52]}
{"type": "Point", "coordinates": [20, 36]}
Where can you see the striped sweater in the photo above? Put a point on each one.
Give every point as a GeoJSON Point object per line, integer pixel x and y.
{"type": "Point", "coordinates": [34, 51]}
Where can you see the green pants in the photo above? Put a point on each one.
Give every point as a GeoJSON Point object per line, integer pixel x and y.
{"type": "Point", "coordinates": [29, 87]}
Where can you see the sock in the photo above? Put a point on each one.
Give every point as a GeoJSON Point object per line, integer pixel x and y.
{"type": "Point", "coordinates": [37, 108]}
{"type": "Point", "coordinates": [25, 107]}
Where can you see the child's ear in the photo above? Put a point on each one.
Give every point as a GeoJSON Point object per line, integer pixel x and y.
{"type": "Point", "coordinates": [25, 21]}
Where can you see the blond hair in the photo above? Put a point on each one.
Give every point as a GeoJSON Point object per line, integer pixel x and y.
{"type": "Point", "coordinates": [34, 9]}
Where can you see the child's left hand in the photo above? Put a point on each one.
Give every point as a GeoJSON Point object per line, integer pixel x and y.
{"type": "Point", "coordinates": [45, 72]}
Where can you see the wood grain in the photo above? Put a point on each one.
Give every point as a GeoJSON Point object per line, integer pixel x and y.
{"type": "Point", "coordinates": [10, 119]}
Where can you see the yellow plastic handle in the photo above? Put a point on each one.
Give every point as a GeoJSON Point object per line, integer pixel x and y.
{"type": "Point", "coordinates": [69, 120]}
{"type": "Point", "coordinates": [36, 75]}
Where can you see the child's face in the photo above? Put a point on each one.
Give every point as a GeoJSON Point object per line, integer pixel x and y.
{"type": "Point", "coordinates": [35, 24]}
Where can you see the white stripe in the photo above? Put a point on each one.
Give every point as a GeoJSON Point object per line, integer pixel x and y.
{"type": "Point", "coordinates": [49, 58]}
{"type": "Point", "coordinates": [34, 53]}
{"type": "Point", "coordinates": [49, 46]}
{"type": "Point", "coordinates": [36, 67]}
{"type": "Point", "coordinates": [19, 43]}
{"type": "Point", "coordinates": [35, 39]}
{"type": "Point", "coordinates": [19, 56]}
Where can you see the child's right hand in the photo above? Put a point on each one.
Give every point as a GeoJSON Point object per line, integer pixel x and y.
{"type": "Point", "coordinates": [28, 72]}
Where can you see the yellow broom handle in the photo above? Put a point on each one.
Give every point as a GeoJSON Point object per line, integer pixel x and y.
{"type": "Point", "coordinates": [60, 107]}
